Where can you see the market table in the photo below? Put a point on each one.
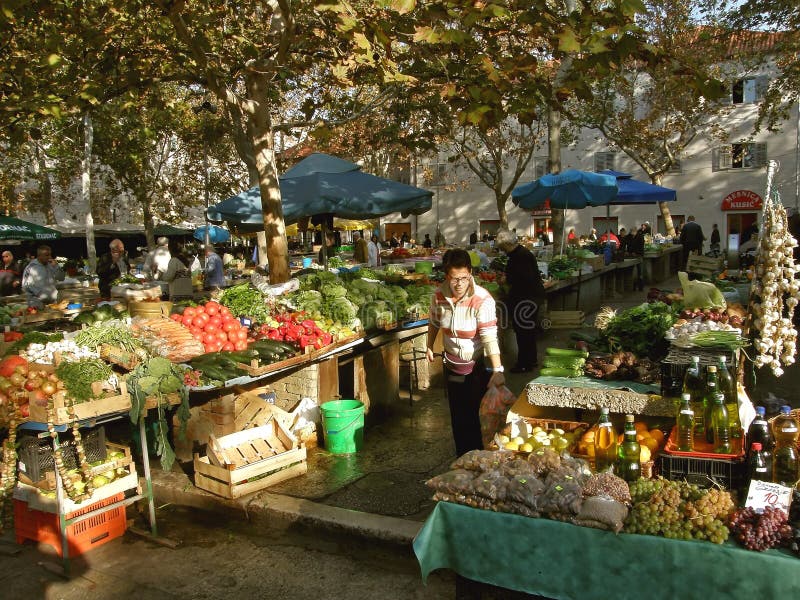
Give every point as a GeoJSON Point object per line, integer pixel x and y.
{"type": "Point", "coordinates": [660, 266]}
{"type": "Point", "coordinates": [560, 560]}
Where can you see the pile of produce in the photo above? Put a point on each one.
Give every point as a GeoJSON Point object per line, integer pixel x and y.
{"type": "Point", "coordinates": [168, 338]}
{"type": "Point", "coordinates": [760, 530]}
{"type": "Point", "coordinates": [9, 311]}
{"type": "Point", "coordinates": [635, 329]}
{"type": "Point", "coordinates": [561, 267]}
{"type": "Point", "coordinates": [218, 367]}
{"type": "Point", "coordinates": [243, 300]}
{"type": "Point", "coordinates": [81, 378]}
{"type": "Point", "coordinates": [563, 362]}
{"type": "Point", "coordinates": [650, 441]}
{"type": "Point", "coordinates": [295, 328]}
{"type": "Point", "coordinates": [622, 366]}
{"type": "Point", "coordinates": [67, 350]}
{"type": "Point", "coordinates": [33, 337]}
{"type": "Point", "coordinates": [214, 326]}
{"type": "Point", "coordinates": [733, 314]}
{"type": "Point", "coordinates": [556, 438]}
{"type": "Point", "coordinates": [775, 291]}
{"type": "Point", "coordinates": [110, 333]}
{"type": "Point", "coordinates": [679, 510]}
{"type": "Point", "coordinates": [99, 315]}
{"type": "Point", "coordinates": [544, 484]}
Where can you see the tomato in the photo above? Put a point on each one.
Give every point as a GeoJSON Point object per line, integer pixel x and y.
{"type": "Point", "coordinates": [201, 320]}
{"type": "Point", "coordinates": [217, 346]}
{"type": "Point", "coordinates": [212, 308]}
{"type": "Point", "coordinates": [176, 317]}
{"type": "Point", "coordinates": [208, 348]}
{"type": "Point", "coordinates": [224, 311]}
{"type": "Point", "coordinates": [187, 321]}
{"type": "Point", "coordinates": [211, 327]}
{"type": "Point", "coordinates": [228, 347]}
{"type": "Point", "coordinates": [209, 338]}
{"type": "Point", "coordinates": [230, 325]}
{"type": "Point", "coordinates": [222, 336]}
{"type": "Point", "coordinates": [217, 320]}
{"type": "Point", "coordinates": [189, 311]}
{"type": "Point", "coordinates": [241, 335]}
{"type": "Point", "coordinates": [241, 345]}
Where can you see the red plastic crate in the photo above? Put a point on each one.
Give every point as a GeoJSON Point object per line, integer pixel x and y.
{"type": "Point", "coordinates": [82, 536]}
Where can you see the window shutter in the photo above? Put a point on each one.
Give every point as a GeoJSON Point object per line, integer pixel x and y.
{"type": "Point", "coordinates": [762, 85]}
{"type": "Point", "coordinates": [604, 160]}
{"type": "Point", "coordinates": [759, 152]}
{"type": "Point", "coordinates": [721, 158]}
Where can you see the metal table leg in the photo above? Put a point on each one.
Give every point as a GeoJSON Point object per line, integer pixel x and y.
{"type": "Point", "coordinates": [148, 479]}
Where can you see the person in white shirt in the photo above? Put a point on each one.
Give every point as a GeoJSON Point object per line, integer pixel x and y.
{"type": "Point", "coordinates": [373, 252]}
{"type": "Point", "coordinates": [157, 261]}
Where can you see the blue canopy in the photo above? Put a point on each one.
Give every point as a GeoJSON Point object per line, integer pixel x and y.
{"type": "Point", "coordinates": [566, 190]}
{"type": "Point", "coordinates": [633, 191]}
{"type": "Point", "coordinates": [308, 191]}
{"type": "Point", "coordinates": [216, 234]}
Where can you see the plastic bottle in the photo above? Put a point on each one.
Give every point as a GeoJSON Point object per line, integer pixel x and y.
{"type": "Point", "coordinates": [757, 464]}
{"type": "Point", "coordinates": [605, 442]}
{"type": "Point", "coordinates": [727, 386]}
{"type": "Point", "coordinates": [708, 402]}
{"type": "Point", "coordinates": [629, 466]}
{"type": "Point", "coordinates": [760, 432]}
{"type": "Point", "coordinates": [719, 425]}
{"type": "Point", "coordinates": [785, 462]}
{"type": "Point", "coordinates": [685, 424]}
{"type": "Point", "coordinates": [694, 385]}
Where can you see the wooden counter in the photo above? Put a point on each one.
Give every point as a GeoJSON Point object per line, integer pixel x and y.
{"type": "Point", "coordinates": [660, 266]}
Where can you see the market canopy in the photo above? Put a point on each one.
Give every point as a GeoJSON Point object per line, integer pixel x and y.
{"type": "Point", "coordinates": [216, 234]}
{"type": "Point", "coordinates": [569, 189]}
{"type": "Point", "coordinates": [633, 191]}
{"type": "Point", "coordinates": [12, 228]}
{"type": "Point", "coordinates": [307, 191]}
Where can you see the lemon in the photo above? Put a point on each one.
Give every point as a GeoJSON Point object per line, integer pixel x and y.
{"type": "Point", "coordinates": [645, 455]}
{"type": "Point", "coordinates": [511, 446]}
{"type": "Point", "coordinates": [650, 443]}
{"type": "Point", "coordinates": [560, 444]}
{"type": "Point", "coordinates": [518, 441]}
{"type": "Point", "coordinates": [504, 439]}
{"type": "Point", "coordinates": [526, 447]}
{"type": "Point", "coordinates": [559, 431]}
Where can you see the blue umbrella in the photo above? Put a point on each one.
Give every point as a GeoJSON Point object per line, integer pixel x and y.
{"type": "Point", "coordinates": [215, 234]}
{"type": "Point", "coordinates": [633, 191]}
{"type": "Point", "coordinates": [306, 191]}
{"type": "Point", "coordinates": [569, 189]}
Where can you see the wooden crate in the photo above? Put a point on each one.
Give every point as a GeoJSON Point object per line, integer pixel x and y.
{"type": "Point", "coordinates": [563, 319]}
{"type": "Point", "coordinates": [705, 266]}
{"type": "Point", "coordinates": [85, 410]}
{"type": "Point", "coordinates": [256, 370]}
{"type": "Point", "coordinates": [249, 461]}
{"type": "Point", "coordinates": [118, 356]}
{"type": "Point", "coordinates": [596, 262]}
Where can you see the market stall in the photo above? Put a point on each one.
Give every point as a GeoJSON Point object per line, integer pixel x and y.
{"type": "Point", "coordinates": [662, 262]}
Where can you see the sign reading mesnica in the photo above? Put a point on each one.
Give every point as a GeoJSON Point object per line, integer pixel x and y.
{"type": "Point", "coordinates": [742, 200]}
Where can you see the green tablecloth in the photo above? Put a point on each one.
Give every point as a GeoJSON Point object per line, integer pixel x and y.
{"type": "Point", "coordinates": [598, 384]}
{"type": "Point", "coordinates": [559, 560]}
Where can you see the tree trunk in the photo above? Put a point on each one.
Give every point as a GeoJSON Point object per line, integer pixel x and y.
{"type": "Point", "coordinates": [45, 186]}
{"type": "Point", "coordinates": [554, 166]}
{"type": "Point", "coordinates": [86, 180]}
{"type": "Point", "coordinates": [147, 215]}
{"type": "Point", "coordinates": [242, 143]}
{"type": "Point", "coordinates": [664, 206]}
{"type": "Point", "coordinates": [501, 200]}
{"type": "Point", "coordinates": [271, 207]}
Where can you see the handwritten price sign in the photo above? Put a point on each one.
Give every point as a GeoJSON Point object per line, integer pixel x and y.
{"type": "Point", "coordinates": [763, 494]}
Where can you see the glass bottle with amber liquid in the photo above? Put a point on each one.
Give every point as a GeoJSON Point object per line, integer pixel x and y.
{"type": "Point", "coordinates": [694, 385]}
{"type": "Point", "coordinates": [605, 442]}
{"type": "Point", "coordinates": [708, 402]}
{"type": "Point", "coordinates": [629, 466]}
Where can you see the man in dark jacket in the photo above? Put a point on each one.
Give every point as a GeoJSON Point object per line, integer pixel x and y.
{"type": "Point", "coordinates": [525, 296]}
{"type": "Point", "coordinates": [636, 247]}
{"type": "Point", "coordinates": [111, 266]}
{"type": "Point", "coordinates": [692, 238]}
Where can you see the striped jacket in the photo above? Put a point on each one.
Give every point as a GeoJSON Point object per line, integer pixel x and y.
{"type": "Point", "coordinates": [469, 328]}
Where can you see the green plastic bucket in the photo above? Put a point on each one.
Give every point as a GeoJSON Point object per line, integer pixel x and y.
{"type": "Point", "coordinates": [343, 425]}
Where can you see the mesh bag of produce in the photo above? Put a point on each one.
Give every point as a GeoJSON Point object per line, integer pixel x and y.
{"type": "Point", "coordinates": [602, 512]}
{"type": "Point", "coordinates": [562, 499]}
{"type": "Point", "coordinates": [494, 408]}
{"type": "Point", "coordinates": [525, 490]}
{"type": "Point", "coordinates": [452, 482]}
{"type": "Point", "coordinates": [481, 460]}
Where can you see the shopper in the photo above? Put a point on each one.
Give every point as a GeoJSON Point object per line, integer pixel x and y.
{"type": "Point", "coordinates": [178, 275]}
{"type": "Point", "coordinates": [330, 248]}
{"type": "Point", "coordinates": [394, 242]}
{"type": "Point", "coordinates": [40, 277]}
{"type": "Point", "coordinates": [360, 250]}
{"type": "Point", "coordinates": [473, 238]}
{"type": "Point", "coordinates": [636, 247]}
{"type": "Point", "coordinates": [111, 266]}
{"type": "Point", "coordinates": [373, 252]}
{"type": "Point", "coordinates": [691, 238]}
{"type": "Point", "coordinates": [572, 238]}
{"type": "Point", "coordinates": [714, 243]}
{"type": "Point", "coordinates": [10, 274]}
{"type": "Point", "coordinates": [214, 272]}
{"type": "Point", "coordinates": [157, 261]}
{"type": "Point", "coordinates": [428, 242]}
{"type": "Point", "coordinates": [465, 313]}
{"type": "Point", "coordinates": [525, 297]}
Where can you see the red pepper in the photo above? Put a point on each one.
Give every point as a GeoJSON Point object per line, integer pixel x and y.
{"type": "Point", "coordinates": [12, 336]}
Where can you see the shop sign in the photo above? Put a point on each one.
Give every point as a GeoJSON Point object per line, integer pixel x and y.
{"type": "Point", "coordinates": [543, 210]}
{"type": "Point", "coordinates": [742, 200]}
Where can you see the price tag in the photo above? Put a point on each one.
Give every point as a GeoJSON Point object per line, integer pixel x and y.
{"type": "Point", "coordinates": [764, 493]}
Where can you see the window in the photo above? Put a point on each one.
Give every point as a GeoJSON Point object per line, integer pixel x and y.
{"type": "Point", "coordinates": [439, 173]}
{"type": "Point", "coordinates": [536, 167]}
{"type": "Point", "coordinates": [604, 160]}
{"type": "Point", "coordinates": [739, 156]}
{"type": "Point", "coordinates": [749, 90]}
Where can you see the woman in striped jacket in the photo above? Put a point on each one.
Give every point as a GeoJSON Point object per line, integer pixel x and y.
{"type": "Point", "coordinates": [466, 315]}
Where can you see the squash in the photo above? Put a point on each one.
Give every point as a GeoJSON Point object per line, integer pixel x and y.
{"type": "Point", "coordinates": [10, 363]}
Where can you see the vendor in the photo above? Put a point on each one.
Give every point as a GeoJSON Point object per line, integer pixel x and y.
{"type": "Point", "coordinates": [214, 272]}
{"type": "Point", "coordinates": [111, 266]}
{"type": "Point", "coordinates": [466, 314]}
{"type": "Point", "coordinates": [178, 276]}
{"type": "Point", "coordinates": [330, 248]}
{"type": "Point", "coordinates": [39, 278]}
{"type": "Point", "coordinates": [10, 274]}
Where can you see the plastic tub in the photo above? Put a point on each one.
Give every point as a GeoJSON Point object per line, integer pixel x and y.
{"type": "Point", "coordinates": [307, 262]}
{"type": "Point", "coordinates": [343, 426]}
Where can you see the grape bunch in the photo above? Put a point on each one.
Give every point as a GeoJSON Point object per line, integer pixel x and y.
{"type": "Point", "coordinates": [678, 510]}
{"type": "Point", "coordinates": [760, 531]}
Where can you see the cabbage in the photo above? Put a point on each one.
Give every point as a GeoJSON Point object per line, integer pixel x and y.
{"type": "Point", "coordinates": [700, 294]}
{"type": "Point", "coordinates": [99, 481]}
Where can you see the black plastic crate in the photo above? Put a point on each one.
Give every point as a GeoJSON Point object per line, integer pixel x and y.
{"type": "Point", "coordinates": [36, 454]}
{"type": "Point", "coordinates": [705, 472]}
